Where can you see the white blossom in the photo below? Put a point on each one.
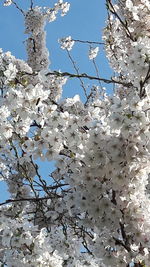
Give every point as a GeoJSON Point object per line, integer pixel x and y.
{"type": "Point", "coordinates": [7, 2]}
{"type": "Point", "coordinates": [93, 52]}
{"type": "Point", "coordinates": [66, 43]}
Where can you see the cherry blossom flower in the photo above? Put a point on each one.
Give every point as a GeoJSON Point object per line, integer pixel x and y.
{"type": "Point", "coordinates": [93, 52]}
{"type": "Point", "coordinates": [66, 43]}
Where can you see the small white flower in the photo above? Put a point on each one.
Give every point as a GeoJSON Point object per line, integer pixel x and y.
{"type": "Point", "coordinates": [93, 52]}
{"type": "Point", "coordinates": [7, 2]}
{"type": "Point", "coordinates": [65, 8]}
{"type": "Point", "coordinates": [4, 112]}
{"type": "Point", "coordinates": [66, 43]}
{"type": "Point", "coordinates": [7, 130]}
{"type": "Point", "coordinates": [133, 9]}
{"type": "Point", "coordinates": [51, 15]}
{"type": "Point", "coordinates": [129, 4]}
{"type": "Point", "coordinates": [10, 73]}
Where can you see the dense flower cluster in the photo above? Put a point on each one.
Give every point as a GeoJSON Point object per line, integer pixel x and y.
{"type": "Point", "coordinates": [95, 209]}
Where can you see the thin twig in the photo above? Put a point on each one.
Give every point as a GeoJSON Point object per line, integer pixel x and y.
{"type": "Point", "coordinates": [97, 72]}
{"type": "Point", "coordinates": [27, 199]}
{"type": "Point", "coordinates": [20, 9]}
{"type": "Point", "coordinates": [31, 5]}
{"type": "Point", "coordinates": [88, 42]}
{"type": "Point", "coordinates": [77, 71]}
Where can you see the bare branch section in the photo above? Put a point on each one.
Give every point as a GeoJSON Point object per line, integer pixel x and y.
{"type": "Point", "coordinates": [86, 76]}
{"type": "Point", "coordinates": [28, 199]}
{"type": "Point", "coordinates": [20, 9]}
{"type": "Point", "coordinates": [23, 199]}
{"type": "Point", "coordinates": [88, 42]}
{"type": "Point", "coordinates": [31, 5]}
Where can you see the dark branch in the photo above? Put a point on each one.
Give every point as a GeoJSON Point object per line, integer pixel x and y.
{"type": "Point", "coordinates": [142, 83]}
{"type": "Point", "coordinates": [124, 24]}
{"type": "Point", "coordinates": [26, 199]}
{"type": "Point", "coordinates": [88, 42]}
{"type": "Point", "coordinates": [18, 8]}
{"type": "Point", "coordinates": [86, 76]}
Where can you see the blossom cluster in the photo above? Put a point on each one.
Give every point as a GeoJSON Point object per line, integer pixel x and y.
{"type": "Point", "coordinates": [66, 43]}
{"type": "Point", "coordinates": [128, 44]}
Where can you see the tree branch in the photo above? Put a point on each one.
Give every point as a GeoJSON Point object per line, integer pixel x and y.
{"type": "Point", "coordinates": [86, 76]}
{"type": "Point", "coordinates": [26, 199]}
{"type": "Point", "coordinates": [88, 42]}
{"type": "Point", "coordinates": [113, 11]}
{"type": "Point", "coordinates": [18, 8]}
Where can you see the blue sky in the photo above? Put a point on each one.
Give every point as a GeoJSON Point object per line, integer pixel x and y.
{"type": "Point", "coordinates": [84, 21]}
